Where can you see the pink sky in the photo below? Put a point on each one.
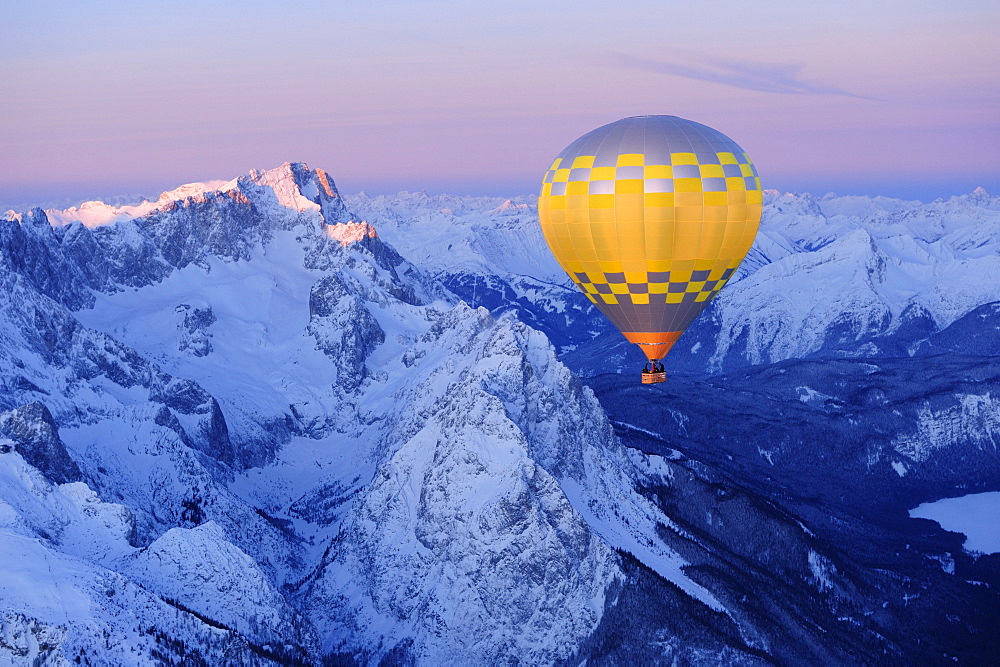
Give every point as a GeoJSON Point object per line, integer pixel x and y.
{"type": "Point", "coordinates": [895, 98]}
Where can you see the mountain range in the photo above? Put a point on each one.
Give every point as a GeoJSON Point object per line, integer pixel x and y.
{"type": "Point", "coordinates": [259, 422]}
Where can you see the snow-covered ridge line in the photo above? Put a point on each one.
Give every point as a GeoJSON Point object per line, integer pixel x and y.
{"type": "Point", "coordinates": [294, 187]}
{"type": "Point", "coordinates": [96, 213]}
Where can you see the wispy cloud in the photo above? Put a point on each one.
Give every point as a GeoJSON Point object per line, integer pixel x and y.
{"type": "Point", "coordinates": [763, 77]}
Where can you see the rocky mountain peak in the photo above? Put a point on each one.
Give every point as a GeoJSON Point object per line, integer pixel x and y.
{"type": "Point", "coordinates": [295, 187]}
{"type": "Point", "coordinates": [981, 197]}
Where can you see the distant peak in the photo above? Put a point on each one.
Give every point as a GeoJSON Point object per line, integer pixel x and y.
{"type": "Point", "coordinates": [510, 207]}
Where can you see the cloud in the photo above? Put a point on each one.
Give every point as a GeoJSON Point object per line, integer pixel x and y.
{"type": "Point", "coordinates": [762, 77]}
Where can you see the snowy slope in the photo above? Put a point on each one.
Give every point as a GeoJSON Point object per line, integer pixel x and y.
{"type": "Point", "coordinates": [74, 586]}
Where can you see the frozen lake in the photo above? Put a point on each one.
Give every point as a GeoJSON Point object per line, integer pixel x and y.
{"type": "Point", "coordinates": [977, 516]}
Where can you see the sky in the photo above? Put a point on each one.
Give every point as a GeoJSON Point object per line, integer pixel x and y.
{"type": "Point", "coordinates": [896, 98]}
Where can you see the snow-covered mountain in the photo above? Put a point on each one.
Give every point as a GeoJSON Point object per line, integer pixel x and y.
{"type": "Point", "coordinates": [274, 416]}
{"type": "Point", "coordinates": [236, 425]}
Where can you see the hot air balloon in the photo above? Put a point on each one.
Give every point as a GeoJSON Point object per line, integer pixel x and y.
{"type": "Point", "coordinates": [650, 216]}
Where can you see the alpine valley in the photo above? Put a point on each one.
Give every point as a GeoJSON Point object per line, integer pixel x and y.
{"type": "Point", "coordinates": [258, 422]}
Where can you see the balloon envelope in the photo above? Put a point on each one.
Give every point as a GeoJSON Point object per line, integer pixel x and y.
{"type": "Point", "coordinates": [650, 216]}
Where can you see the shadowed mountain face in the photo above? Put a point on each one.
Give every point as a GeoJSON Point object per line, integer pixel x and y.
{"type": "Point", "coordinates": [843, 448]}
{"type": "Point", "coordinates": [251, 422]}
